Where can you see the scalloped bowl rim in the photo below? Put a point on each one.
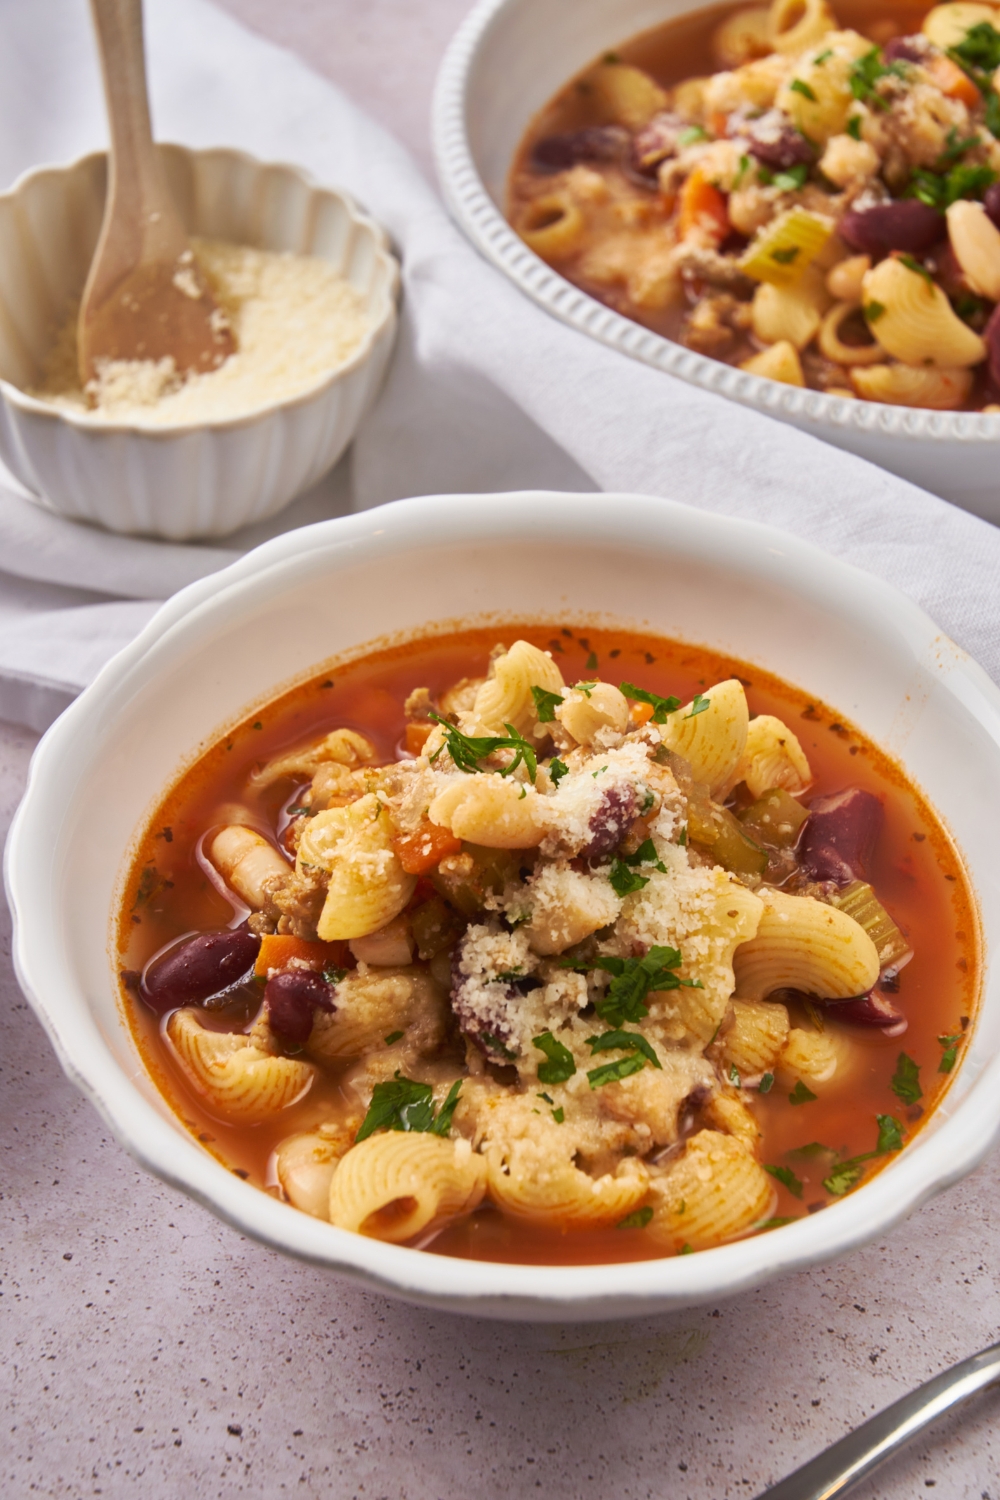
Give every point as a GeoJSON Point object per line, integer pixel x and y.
{"type": "Point", "coordinates": [934, 1161]}
{"type": "Point", "coordinates": [482, 221]}
{"type": "Point", "coordinates": [81, 422]}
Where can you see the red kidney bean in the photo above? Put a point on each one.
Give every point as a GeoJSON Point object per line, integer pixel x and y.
{"type": "Point", "coordinates": [293, 997]}
{"type": "Point", "coordinates": [991, 333]}
{"type": "Point", "coordinates": [611, 822]}
{"type": "Point", "coordinates": [873, 1009]}
{"type": "Point", "coordinates": [991, 203]}
{"type": "Point", "coordinates": [490, 1027]}
{"type": "Point", "coordinates": [913, 49]}
{"type": "Point", "coordinates": [839, 834]}
{"type": "Point", "coordinates": [906, 224]}
{"type": "Point", "coordinates": [776, 143]}
{"type": "Point", "coordinates": [198, 968]}
{"type": "Point", "coordinates": [554, 153]}
{"type": "Point", "coordinates": [656, 141]}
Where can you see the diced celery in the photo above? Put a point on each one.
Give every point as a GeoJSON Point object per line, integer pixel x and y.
{"type": "Point", "coordinates": [774, 819]}
{"type": "Point", "coordinates": [859, 901]}
{"type": "Point", "coordinates": [715, 829]}
{"type": "Point", "coordinates": [784, 248]}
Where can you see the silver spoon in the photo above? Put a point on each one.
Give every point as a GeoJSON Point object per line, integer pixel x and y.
{"type": "Point", "coordinates": [842, 1466]}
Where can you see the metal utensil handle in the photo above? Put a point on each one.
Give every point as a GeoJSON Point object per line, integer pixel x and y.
{"type": "Point", "coordinates": [842, 1466]}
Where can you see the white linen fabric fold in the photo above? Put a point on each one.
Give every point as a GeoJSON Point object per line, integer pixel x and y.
{"type": "Point", "coordinates": [486, 391]}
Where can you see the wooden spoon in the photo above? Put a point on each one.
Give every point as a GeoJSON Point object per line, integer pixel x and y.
{"type": "Point", "coordinates": [146, 297]}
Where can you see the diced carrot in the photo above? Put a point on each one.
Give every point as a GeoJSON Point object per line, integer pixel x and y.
{"type": "Point", "coordinates": [702, 207]}
{"type": "Point", "coordinates": [426, 847]}
{"type": "Point", "coordinates": [277, 949]}
{"type": "Point", "coordinates": [718, 123]}
{"type": "Point", "coordinates": [953, 82]}
{"type": "Point", "coordinates": [640, 713]}
{"type": "Point", "coordinates": [416, 737]}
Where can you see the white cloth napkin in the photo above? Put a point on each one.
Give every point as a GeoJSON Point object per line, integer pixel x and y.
{"type": "Point", "coordinates": [486, 391]}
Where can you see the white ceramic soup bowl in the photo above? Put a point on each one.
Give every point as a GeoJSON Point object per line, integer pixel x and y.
{"type": "Point", "coordinates": [227, 645]}
{"type": "Point", "coordinates": [199, 479]}
{"type": "Point", "coordinates": [506, 61]}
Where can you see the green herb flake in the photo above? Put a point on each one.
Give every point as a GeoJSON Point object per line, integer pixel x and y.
{"type": "Point", "coordinates": [614, 1072]}
{"type": "Point", "coordinates": [392, 1038]}
{"type": "Point", "coordinates": [793, 179]}
{"type": "Point", "coordinates": [560, 1064]}
{"type": "Point", "coordinates": [592, 658]}
{"type": "Point", "coordinates": [813, 1149]}
{"type": "Point", "coordinates": [979, 49]}
{"type": "Point", "coordinates": [778, 1223]}
{"type": "Point", "coordinates": [468, 750]}
{"type": "Point", "coordinates": [783, 258]}
{"type": "Point", "coordinates": [867, 72]}
{"type": "Point", "coordinates": [912, 264]}
{"type": "Point", "coordinates": [906, 1080]}
{"type": "Point", "coordinates": [546, 704]}
{"type": "Point", "coordinates": [630, 1041]}
{"type": "Point", "coordinates": [798, 87]}
{"type": "Point", "coordinates": [854, 127]}
{"type": "Point", "coordinates": [403, 1104]}
{"type": "Point", "coordinates": [496, 1045]}
{"type": "Point", "coordinates": [700, 702]}
{"type": "Point", "coordinates": [844, 1177]}
{"type": "Point", "coordinates": [890, 1135]}
{"type": "Point", "coordinates": [586, 688]}
{"type": "Point", "coordinates": [685, 1250]}
{"type": "Point", "coordinates": [766, 1083]}
{"type": "Point", "coordinates": [625, 881]}
{"type": "Point", "coordinates": [557, 770]}
{"type": "Point", "coordinates": [950, 1053]}
{"type": "Point", "coordinates": [682, 838]}
{"type": "Point", "coordinates": [873, 311]}
{"type": "Point", "coordinates": [637, 1219]}
{"type": "Point", "coordinates": [823, 57]}
{"type": "Point", "coordinates": [691, 134]}
{"type": "Point", "coordinates": [632, 980]}
{"type": "Point", "coordinates": [800, 1094]}
{"type": "Point", "coordinates": [334, 976]}
{"type": "Point", "coordinates": [559, 1115]}
{"type": "Point", "coordinates": [787, 1178]}
{"type": "Point", "coordinates": [734, 1077]}
{"type": "Point", "coordinates": [661, 707]}
{"type": "Point", "coordinates": [547, 1097]}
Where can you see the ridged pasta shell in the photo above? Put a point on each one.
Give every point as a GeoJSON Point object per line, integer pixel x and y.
{"type": "Point", "coordinates": [742, 37]}
{"type": "Point", "coordinates": [792, 312]}
{"type": "Point", "coordinates": [917, 323]}
{"type": "Point", "coordinates": [780, 362]}
{"type": "Point", "coordinates": [946, 25]}
{"type": "Point", "coordinates": [626, 94]}
{"type": "Point", "coordinates": [833, 347]}
{"type": "Point", "coordinates": [814, 1056]}
{"type": "Point", "coordinates": [368, 886]}
{"type": "Point", "coordinates": [795, 25]}
{"type": "Point", "coordinates": [505, 697]}
{"type": "Point", "coordinates": [235, 1078]}
{"type": "Point", "coordinates": [713, 741]}
{"type": "Point", "coordinates": [803, 944]}
{"type": "Point", "coordinates": [975, 239]}
{"type": "Point", "coordinates": [370, 1007]}
{"type": "Point", "coordinates": [560, 1194]}
{"type": "Point", "coordinates": [909, 385]}
{"type": "Point", "coordinates": [603, 706]}
{"type": "Point", "coordinates": [773, 757]}
{"type": "Point", "coordinates": [247, 862]}
{"type": "Point", "coordinates": [756, 1038]}
{"type": "Point", "coordinates": [398, 1185]}
{"type": "Point", "coordinates": [727, 1111]}
{"type": "Point", "coordinates": [821, 103]}
{"type": "Point", "coordinates": [553, 226]}
{"type": "Point", "coordinates": [344, 747]}
{"type": "Point", "coordinates": [714, 1192]}
{"type": "Point", "coordinates": [486, 809]}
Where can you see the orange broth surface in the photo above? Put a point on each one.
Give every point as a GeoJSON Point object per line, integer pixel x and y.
{"type": "Point", "coordinates": [916, 872]}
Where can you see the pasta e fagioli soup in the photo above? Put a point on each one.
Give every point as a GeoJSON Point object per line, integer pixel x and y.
{"type": "Point", "coordinates": [550, 945]}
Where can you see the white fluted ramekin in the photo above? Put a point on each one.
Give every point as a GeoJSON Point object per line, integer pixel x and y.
{"type": "Point", "coordinates": [194, 480]}
{"type": "Point", "coordinates": [506, 61]}
{"type": "Point", "coordinates": [224, 647]}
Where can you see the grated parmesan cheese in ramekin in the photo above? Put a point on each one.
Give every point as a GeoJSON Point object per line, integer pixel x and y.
{"type": "Point", "coordinates": [294, 318]}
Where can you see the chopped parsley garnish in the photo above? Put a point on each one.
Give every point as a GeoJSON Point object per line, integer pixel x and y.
{"type": "Point", "coordinates": [547, 1097]}
{"type": "Point", "coordinates": [626, 1041]}
{"type": "Point", "coordinates": [873, 311]}
{"type": "Point", "coordinates": [637, 1219]}
{"type": "Point", "coordinates": [814, 1148]}
{"type": "Point", "coordinates": [614, 1072]}
{"type": "Point", "coordinates": [955, 146]}
{"type": "Point", "coordinates": [591, 662]}
{"type": "Point", "coordinates": [854, 127]}
{"type": "Point", "coordinates": [734, 1076]}
{"type": "Point", "coordinates": [743, 170]}
{"type": "Point", "coordinates": [632, 980]}
{"type": "Point", "coordinates": [507, 976]}
{"type": "Point", "coordinates": [800, 1094]}
{"type": "Point", "coordinates": [685, 1250]}
{"type": "Point", "coordinates": [560, 1064]}
{"type": "Point", "coordinates": [912, 264]}
{"type": "Point", "coordinates": [866, 73]}
{"type": "Point", "coordinates": [791, 180]}
{"type": "Point", "coordinates": [559, 1115]}
{"type": "Point", "coordinates": [778, 1223]}
{"type": "Point", "coordinates": [950, 1053]}
{"type": "Point", "coordinates": [467, 750]}
{"type": "Point", "coordinates": [798, 87]}
{"type": "Point", "coordinates": [941, 189]}
{"type": "Point", "coordinates": [496, 1045]}
{"type": "Point", "coordinates": [623, 877]}
{"type": "Point", "coordinates": [691, 134]}
{"type": "Point", "coordinates": [586, 688]}
{"type": "Point", "coordinates": [546, 704]}
{"type": "Point", "coordinates": [979, 48]}
{"type": "Point", "coordinates": [334, 976]}
{"type": "Point", "coordinates": [847, 1174]}
{"type": "Point", "coordinates": [402, 1104]}
{"type": "Point", "coordinates": [682, 838]}
{"type": "Point", "coordinates": [661, 706]}
{"type": "Point", "coordinates": [784, 258]}
{"type": "Point", "coordinates": [394, 1036]}
{"type": "Point", "coordinates": [906, 1080]}
{"type": "Point", "coordinates": [823, 57]}
{"type": "Point", "coordinates": [787, 1178]}
{"type": "Point", "coordinates": [766, 1083]}
{"type": "Point", "coordinates": [890, 1134]}
{"type": "Point", "coordinates": [700, 702]}
{"type": "Point", "coordinates": [557, 770]}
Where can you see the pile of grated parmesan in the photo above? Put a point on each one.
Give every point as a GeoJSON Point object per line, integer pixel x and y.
{"type": "Point", "coordinates": [294, 318]}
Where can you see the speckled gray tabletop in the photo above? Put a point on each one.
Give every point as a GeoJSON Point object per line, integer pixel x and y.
{"type": "Point", "coordinates": [147, 1349]}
